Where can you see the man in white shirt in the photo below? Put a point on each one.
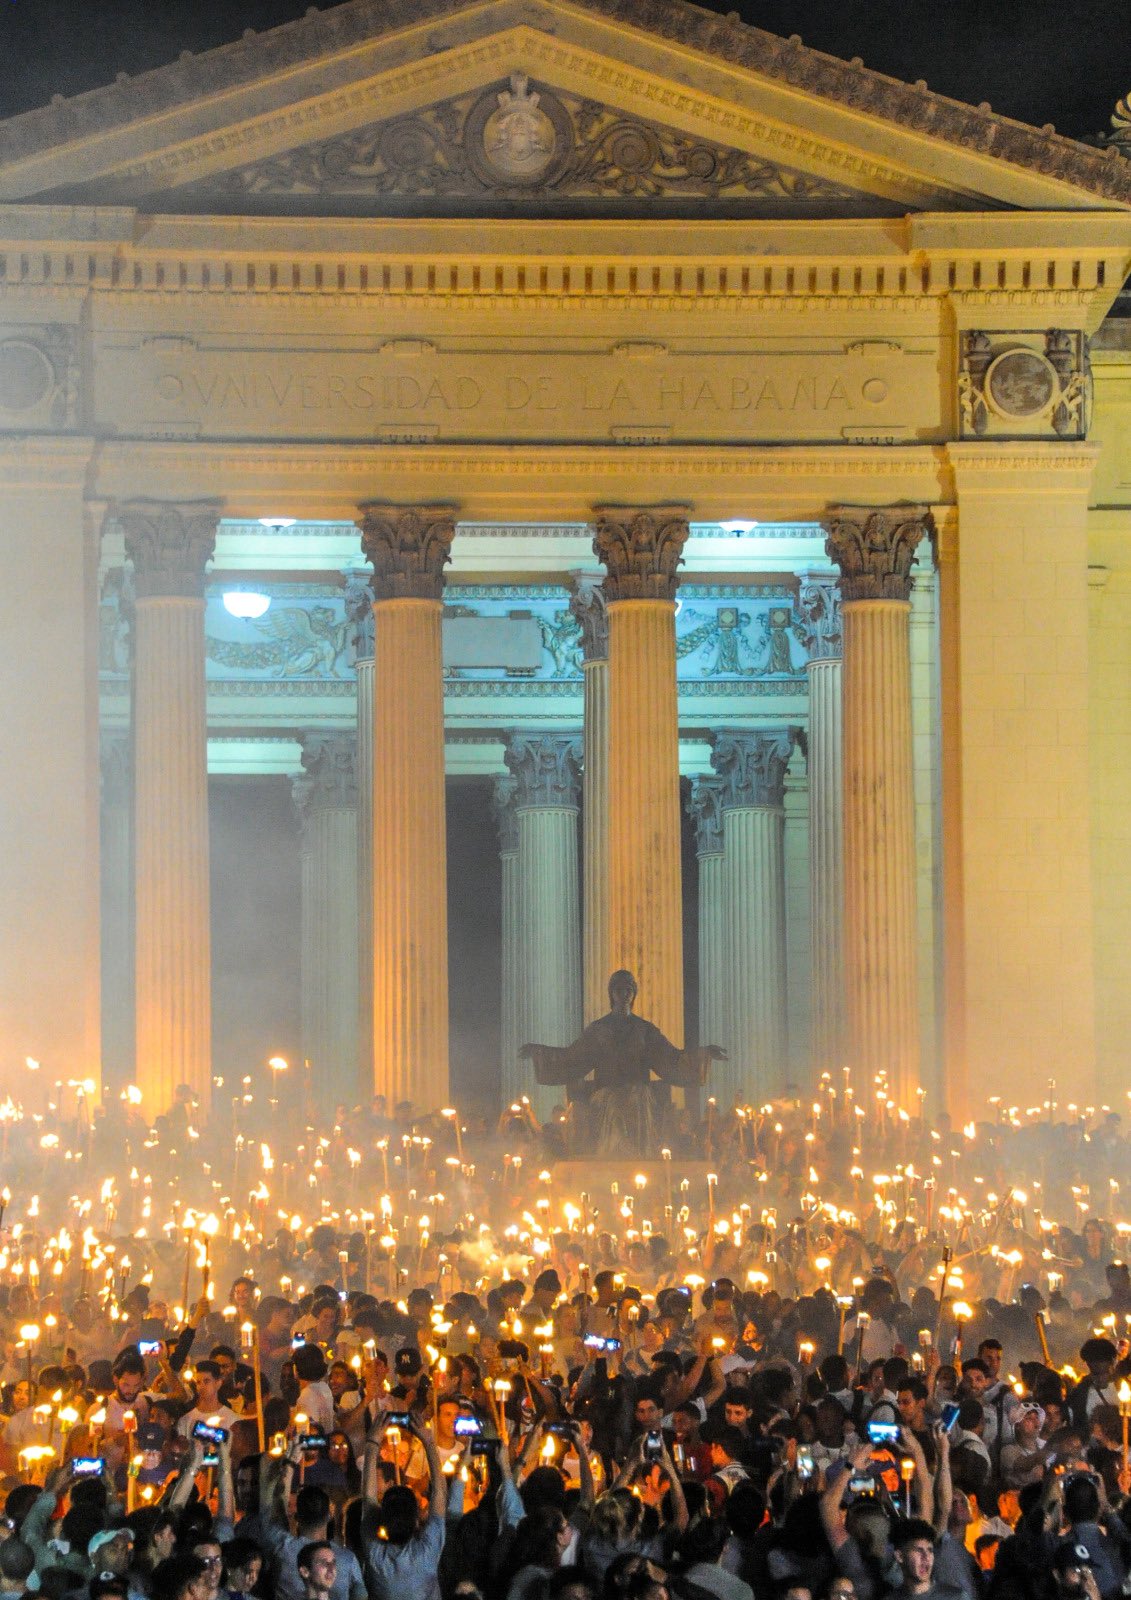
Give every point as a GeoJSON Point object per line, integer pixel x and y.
{"type": "Point", "coordinates": [315, 1401]}
{"type": "Point", "coordinates": [208, 1407]}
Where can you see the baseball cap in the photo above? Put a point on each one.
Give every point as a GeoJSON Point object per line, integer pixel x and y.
{"type": "Point", "coordinates": [107, 1536]}
{"type": "Point", "coordinates": [1069, 1554]}
{"type": "Point", "coordinates": [407, 1362]}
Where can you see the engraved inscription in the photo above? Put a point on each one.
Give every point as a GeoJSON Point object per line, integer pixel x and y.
{"type": "Point", "coordinates": [494, 395]}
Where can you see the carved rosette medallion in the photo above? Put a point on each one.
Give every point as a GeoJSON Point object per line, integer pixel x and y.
{"type": "Point", "coordinates": [409, 547]}
{"type": "Point", "coordinates": [546, 768]}
{"type": "Point", "coordinates": [328, 781]}
{"type": "Point", "coordinates": [752, 766]}
{"type": "Point", "coordinates": [706, 807]}
{"type": "Point", "coordinates": [39, 377]}
{"type": "Point", "coordinates": [874, 547]}
{"type": "Point", "coordinates": [1025, 385]}
{"type": "Point", "coordinates": [641, 548]}
{"type": "Point", "coordinates": [587, 604]}
{"type": "Point", "coordinates": [517, 135]}
{"type": "Point", "coordinates": [170, 543]}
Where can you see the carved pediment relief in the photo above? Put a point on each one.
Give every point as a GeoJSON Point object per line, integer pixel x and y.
{"type": "Point", "coordinates": [519, 142]}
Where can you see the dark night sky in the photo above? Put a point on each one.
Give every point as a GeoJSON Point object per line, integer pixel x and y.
{"type": "Point", "coordinates": [1039, 60]}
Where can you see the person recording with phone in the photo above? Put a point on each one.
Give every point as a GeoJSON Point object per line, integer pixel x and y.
{"type": "Point", "coordinates": [207, 1405]}
{"type": "Point", "coordinates": [403, 1559]}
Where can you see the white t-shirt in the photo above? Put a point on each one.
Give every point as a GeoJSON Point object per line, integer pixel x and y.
{"type": "Point", "coordinates": [317, 1403]}
{"type": "Point", "coordinates": [225, 1418]}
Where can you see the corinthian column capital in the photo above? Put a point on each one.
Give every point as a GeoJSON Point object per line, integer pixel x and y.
{"type": "Point", "coordinates": [409, 547]}
{"type": "Point", "coordinates": [752, 766]}
{"type": "Point", "coordinates": [587, 603]}
{"type": "Point", "coordinates": [328, 780]}
{"type": "Point", "coordinates": [874, 547]}
{"type": "Point", "coordinates": [706, 806]}
{"type": "Point", "coordinates": [170, 542]}
{"type": "Point", "coordinates": [546, 767]}
{"type": "Point", "coordinates": [641, 548]}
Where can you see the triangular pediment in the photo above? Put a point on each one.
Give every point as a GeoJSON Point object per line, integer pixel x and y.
{"type": "Point", "coordinates": [522, 146]}
{"type": "Point", "coordinates": [537, 107]}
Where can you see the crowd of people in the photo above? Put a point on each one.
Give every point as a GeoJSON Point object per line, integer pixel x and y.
{"type": "Point", "coordinates": [453, 1377]}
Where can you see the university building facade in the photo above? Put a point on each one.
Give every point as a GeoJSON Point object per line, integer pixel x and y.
{"type": "Point", "coordinates": [618, 402]}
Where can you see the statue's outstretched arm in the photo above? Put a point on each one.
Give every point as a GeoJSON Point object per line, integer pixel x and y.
{"type": "Point", "coordinates": [557, 1064]}
{"type": "Point", "coordinates": [681, 1067]}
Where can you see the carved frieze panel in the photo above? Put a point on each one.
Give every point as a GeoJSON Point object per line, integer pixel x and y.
{"type": "Point", "coordinates": [749, 638]}
{"type": "Point", "coordinates": [519, 138]}
{"type": "Point", "coordinates": [1024, 385]}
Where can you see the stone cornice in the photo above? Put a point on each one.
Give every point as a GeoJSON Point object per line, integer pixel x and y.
{"type": "Point", "coordinates": [786, 61]}
{"type": "Point", "coordinates": [793, 482]}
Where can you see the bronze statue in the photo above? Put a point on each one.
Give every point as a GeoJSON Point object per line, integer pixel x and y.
{"type": "Point", "coordinates": [610, 1070]}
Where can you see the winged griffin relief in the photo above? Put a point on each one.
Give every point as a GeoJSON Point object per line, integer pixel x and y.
{"type": "Point", "coordinates": [295, 642]}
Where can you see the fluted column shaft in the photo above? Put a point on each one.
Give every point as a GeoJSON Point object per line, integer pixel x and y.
{"type": "Point", "coordinates": [326, 800]}
{"type": "Point", "coordinates": [510, 1074]}
{"type": "Point", "coordinates": [826, 862]}
{"type": "Point", "coordinates": [874, 549]}
{"type": "Point", "coordinates": [753, 768]}
{"type": "Point", "coordinates": [588, 604]}
{"type": "Point", "coordinates": [365, 675]}
{"type": "Point", "coordinates": [706, 808]}
{"type": "Point", "coordinates": [409, 548]}
{"type": "Point", "coordinates": [641, 549]}
{"type": "Point", "coordinates": [169, 545]}
{"type": "Point", "coordinates": [117, 927]}
{"type": "Point", "coordinates": [548, 987]}
{"type": "Point", "coordinates": [819, 610]}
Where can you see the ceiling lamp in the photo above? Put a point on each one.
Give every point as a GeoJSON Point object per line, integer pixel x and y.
{"type": "Point", "coordinates": [246, 603]}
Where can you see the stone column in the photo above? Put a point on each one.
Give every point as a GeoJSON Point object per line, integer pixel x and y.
{"type": "Point", "coordinates": [170, 544]}
{"type": "Point", "coordinates": [117, 942]}
{"type": "Point", "coordinates": [587, 602]}
{"type": "Point", "coordinates": [874, 549]}
{"type": "Point", "coordinates": [641, 548]}
{"type": "Point", "coordinates": [705, 806]}
{"type": "Point", "coordinates": [752, 766]}
{"type": "Point", "coordinates": [409, 546]}
{"type": "Point", "coordinates": [49, 796]}
{"type": "Point", "coordinates": [1018, 803]}
{"type": "Point", "coordinates": [325, 795]}
{"type": "Point", "coordinates": [546, 769]}
{"type": "Point", "coordinates": [359, 609]}
{"type": "Point", "coordinates": [511, 1074]}
{"type": "Point", "coordinates": [819, 606]}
